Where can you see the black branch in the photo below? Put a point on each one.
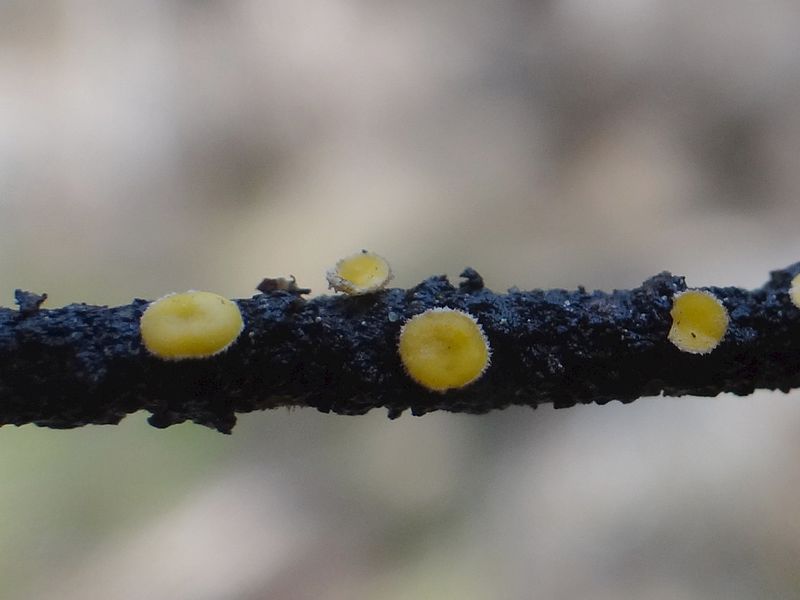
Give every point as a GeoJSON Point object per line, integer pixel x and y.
{"type": "Point", "coordinates": [83, 364]}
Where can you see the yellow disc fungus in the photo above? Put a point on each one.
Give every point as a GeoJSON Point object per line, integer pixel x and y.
{"type": "Point", "coordinates": [794, 291]}
{"type": "Point", "coordinates": [443, 349]}
{"type": "Point", "coordinates": [190, 325]}
{"type": "Point", "coordinates": [699, 321]}
{"type": "Point", "coordinates": [360, 273]}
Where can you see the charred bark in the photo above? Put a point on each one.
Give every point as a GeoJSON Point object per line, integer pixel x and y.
{"type": "Point", "coordinates": [83, 364]}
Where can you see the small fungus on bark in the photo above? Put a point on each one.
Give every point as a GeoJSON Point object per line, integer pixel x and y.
{"type": "Point", "coordinates": [361, 273]}
{"type": "Point", "coordinates": [190, 325]}
{"type": "Point", "coordinates": [444, 349]}
{"type": "Point", "coordinates": [699, 321]}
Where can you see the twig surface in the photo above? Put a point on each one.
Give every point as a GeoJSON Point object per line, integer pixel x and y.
{"type": "Point", "coordinates": [83, 364]}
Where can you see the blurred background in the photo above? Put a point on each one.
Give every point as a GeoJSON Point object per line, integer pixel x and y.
{"type": "Point", "coordinates": [149, 146]}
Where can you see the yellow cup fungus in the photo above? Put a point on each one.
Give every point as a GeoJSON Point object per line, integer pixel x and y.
{"type": "Point", "coordinates": [443, 349]}
{"type": "Point", "coordinates": [794, 291]}
{"type": "Point", "coordinates": [361, 273]}
{"type": "Point", "coordinates": [699, 321]}
{"type": "Point", "coordinates": [190, 325]}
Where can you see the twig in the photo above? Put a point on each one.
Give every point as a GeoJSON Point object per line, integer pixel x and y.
{"type": "Point", "coordinates": [82, 364]}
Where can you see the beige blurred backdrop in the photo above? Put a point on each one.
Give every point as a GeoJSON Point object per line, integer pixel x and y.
{"type": "Point", "coordinates": [151, 146]}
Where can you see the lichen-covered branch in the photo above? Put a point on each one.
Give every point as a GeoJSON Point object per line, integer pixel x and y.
{"type": "Point", "coordinates": [83, 364]}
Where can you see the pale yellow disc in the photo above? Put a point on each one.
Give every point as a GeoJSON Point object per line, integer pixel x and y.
{"type": "Point", "coordinates": [699, 321]}
{"type": "Point", "coordinates": [443, 349]}
{"type": "Point", "coordinates": [360, 273]}
{"type": "Point", "coordinates": [190, 325]}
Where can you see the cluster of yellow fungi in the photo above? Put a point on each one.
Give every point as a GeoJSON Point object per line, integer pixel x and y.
{"type": "Point", "coordinates": [441, 349]}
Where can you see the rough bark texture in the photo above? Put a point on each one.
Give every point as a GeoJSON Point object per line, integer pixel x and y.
{"type": "Point", "coordinates": [86, 364]}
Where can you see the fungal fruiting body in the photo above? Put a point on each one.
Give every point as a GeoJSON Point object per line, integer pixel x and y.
{"type": "Point", "coordinates": [794, 291]}
{"type": "Point", "coordinates": [443, 349]}
{"type": "Point", "coordinates": [190, 325]}
{"type": "Point", "coordinates": [699, 321]}
{"type": "Point", "coordinates": [360, 273]}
